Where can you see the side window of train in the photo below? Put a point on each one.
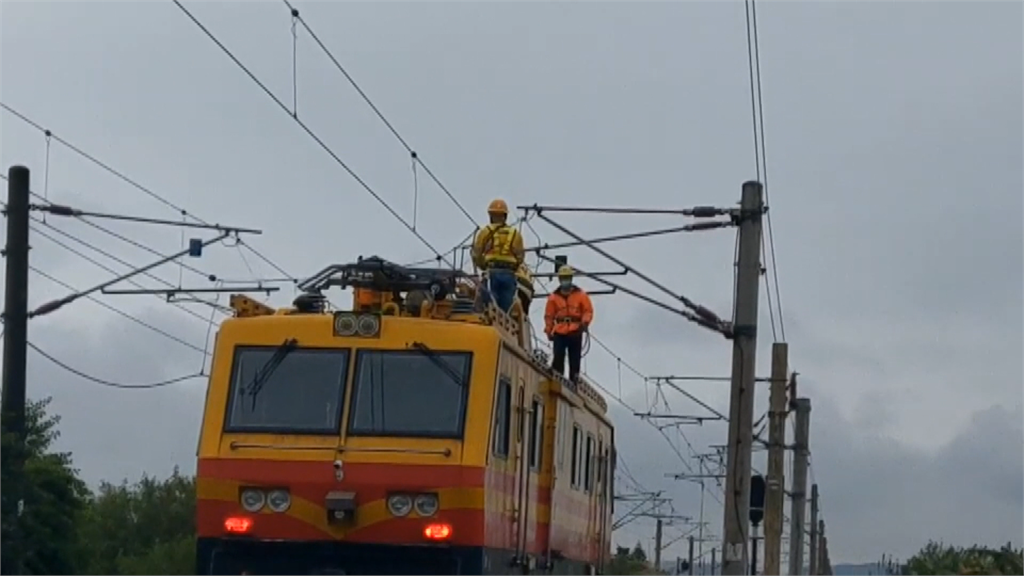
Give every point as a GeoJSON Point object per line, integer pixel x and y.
{"type": "Point", "coordinates": [588, 474]}
{"type": "Point", "coordinates": [501, 417]}
{"type": "Point", "coordinates": [611, 478]}
{"type": "Point", "coordinates": [536, 433]}
{"type": "Point", "coordinates": [520, 411]}
{"type": "Point", "coordinates": [574, 473]}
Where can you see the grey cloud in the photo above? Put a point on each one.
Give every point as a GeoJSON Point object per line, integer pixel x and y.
{"type": "Point", "coordinates": [894, 151]}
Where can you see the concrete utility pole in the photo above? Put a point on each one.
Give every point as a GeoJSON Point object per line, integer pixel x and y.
{"type": "Point", "coordinates": [821, 547]}
{"type": "Point", "coordinates": [690, 571]}
{"type": "Point", "coordinates": [799, 487]}
{"type": "Point", "coordinates": [657, 545]}
{"type": "Point", "coordinates": [741, 401]}
{"type": "Point", "coordinates": [826, 560]}
{"type": "Point", "coordinates": [775, 482]}
{"type": "Point", "coordinates": [813, 567]}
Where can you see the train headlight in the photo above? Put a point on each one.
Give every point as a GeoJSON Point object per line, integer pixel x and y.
{"type": "Point", "coordinates": [364, 325]}
{"type": "Point", "coordinates": [279, 500]}
{"type": "Point", "coordinates": [399, 504]}
{"type": "Point", "coordinates": [426, 504]}
{"type": "Point", "coordinates": [368, 325]}
{"type": "Point", "coordinates": [252, 500]}
{"type": "Point", "coordinates": [345, 324]}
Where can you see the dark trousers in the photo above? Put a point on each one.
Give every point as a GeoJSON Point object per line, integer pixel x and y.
{"type": "Point", "coordinates": [571, 343]}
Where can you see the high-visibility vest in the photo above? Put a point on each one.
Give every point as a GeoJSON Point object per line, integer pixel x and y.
{"type": "Point", "coordinates": [497, 244]}
{"type": "Point", "coordinates": [525, 280]}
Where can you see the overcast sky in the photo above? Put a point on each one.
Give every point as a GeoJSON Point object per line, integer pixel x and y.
{"type": "Point", "coordinates": [894, 144]}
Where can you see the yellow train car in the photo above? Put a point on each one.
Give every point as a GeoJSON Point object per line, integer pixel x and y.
{"type": "Point", "coordinates": [416, 433]}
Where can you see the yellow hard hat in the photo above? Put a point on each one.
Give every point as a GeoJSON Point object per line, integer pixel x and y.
{"type": "Point", "coordinates": [565, 270]}
{"type": "Point", "coordinates": [498, 206]}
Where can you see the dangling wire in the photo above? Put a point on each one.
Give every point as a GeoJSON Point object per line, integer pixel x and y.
{"type": "Point", "coordinates": [295, 67]}
{"type": "Point", "coordinates": [618, 364]}
{"type": "Point", "coordinates": [209, 328]}
{"type": "Point", "coordinates": [415, 188]}
{"type": "Point", "coordinates": [46, 173]}
{"type": "Point", "coordinates": [181, 262]}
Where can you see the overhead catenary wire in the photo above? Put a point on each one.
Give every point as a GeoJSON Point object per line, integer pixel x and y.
{"type": "Point", "coordinates": [108, 383]}
{"type": "Point", "coordinates": [417, 159]}
{"type": "Point", "coordinates": [126, 239]}
{"type": "Point", "coordinates": [309, 131]}
{"type": "Point", "coordinates": [74, 251]}
{"type": "Point", "coordinates": [121, 175]}
{"type": "Point", "coordinates": [760, 154]}
{"type": "Point", "coordinates": [122, 313]}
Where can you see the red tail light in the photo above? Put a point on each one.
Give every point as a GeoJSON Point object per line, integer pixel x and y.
{"type": "Point", "coordinates": [438, 531]}
{"type": "Point", "coordinates": [237, 524]}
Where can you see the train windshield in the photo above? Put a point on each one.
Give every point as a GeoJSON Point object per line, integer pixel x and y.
{"type": "Point", "coordinates": [282, 390]}
{"type": "Point", "coordinates": [410, 393]}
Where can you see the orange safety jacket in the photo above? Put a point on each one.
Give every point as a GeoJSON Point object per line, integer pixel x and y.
{"type": "Point", "coordinates": [567, 313]}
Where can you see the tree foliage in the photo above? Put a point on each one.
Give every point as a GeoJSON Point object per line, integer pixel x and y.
{"type": "Point", "coordinates": [939, 558]}
{"type": "Point", "coordinates": [142, 528]}
{"type": "Point", "coordinates": [626, 561]}
{"type": "Point", "coordinates": [40, 502]}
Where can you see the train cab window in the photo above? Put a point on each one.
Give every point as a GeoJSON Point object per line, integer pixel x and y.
{"type": "Point", "coordinates": [588, 473]}
{"type": "Point", "coordinates": [501, 417]}
{"type": "Point", "coordinates": [536, 433]}
{"type": "Point", "coordinates": [302, 395]}
{"type": "Point", "coordinates": [574, 475]}
{"type": "Point", "coordinates": [410, 393]}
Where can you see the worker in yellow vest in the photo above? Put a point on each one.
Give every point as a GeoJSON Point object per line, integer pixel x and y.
{"type": "Point", "coordinates": [498, 251]}
{"type": "Point", "coordinates": [524, 283]}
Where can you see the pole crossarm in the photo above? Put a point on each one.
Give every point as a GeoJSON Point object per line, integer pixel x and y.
{"type": "Point", "coordinates": [695, 227]}
{"type": "Point", "coordinates": [696, 211]}
{"type": "Point", "coordinates": [61, 210]}
{"type": "Point", "coordinates": [53, 305]}
{"type": "Point", "coordinates": [169, 292]}
{"type": "Point", "coordinates": [699, 315]}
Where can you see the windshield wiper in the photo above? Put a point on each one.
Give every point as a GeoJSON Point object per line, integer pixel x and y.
{"type": "Point", "coordinates": [264, 372]}
{"type": "Point", "coordinates": [437, 361]}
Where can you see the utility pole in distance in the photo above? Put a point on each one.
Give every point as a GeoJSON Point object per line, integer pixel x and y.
{"type": "Point", "coordinates": [799, 487]}
{"type": "Point", "coordinates": [775, 483]}
{"type": "Point", "coordinates": [741, 401]}
{"type": "Point", "coordinates": [812, 562]}
{"type": "Point", "coordinates": [657, 545]}
{"type": "Point", "coordinates": [16, 304]}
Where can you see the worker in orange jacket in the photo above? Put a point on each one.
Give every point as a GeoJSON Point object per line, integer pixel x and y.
{"type": "Point", "coordinates": [567, 316]}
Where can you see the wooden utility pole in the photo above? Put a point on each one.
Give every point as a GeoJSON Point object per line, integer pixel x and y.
{"type": "Point", "coordinates": [775, 482]}
{"type": "Point", "coordinates": [712, 561]}
{"type": "Point", "coordinates": [16, 307]}
{"type": "Point", "coordinates": [799, 486]}
{"type": "Point", "coordinates": [813, 567]}
{"type": "Point", "coordinates": [15, 336]}
{"type": "Point", "coordinates": [741, 400]}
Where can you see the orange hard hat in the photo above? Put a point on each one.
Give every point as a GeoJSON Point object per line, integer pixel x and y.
{"type": "Point", "coordinates": [498, 206]}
